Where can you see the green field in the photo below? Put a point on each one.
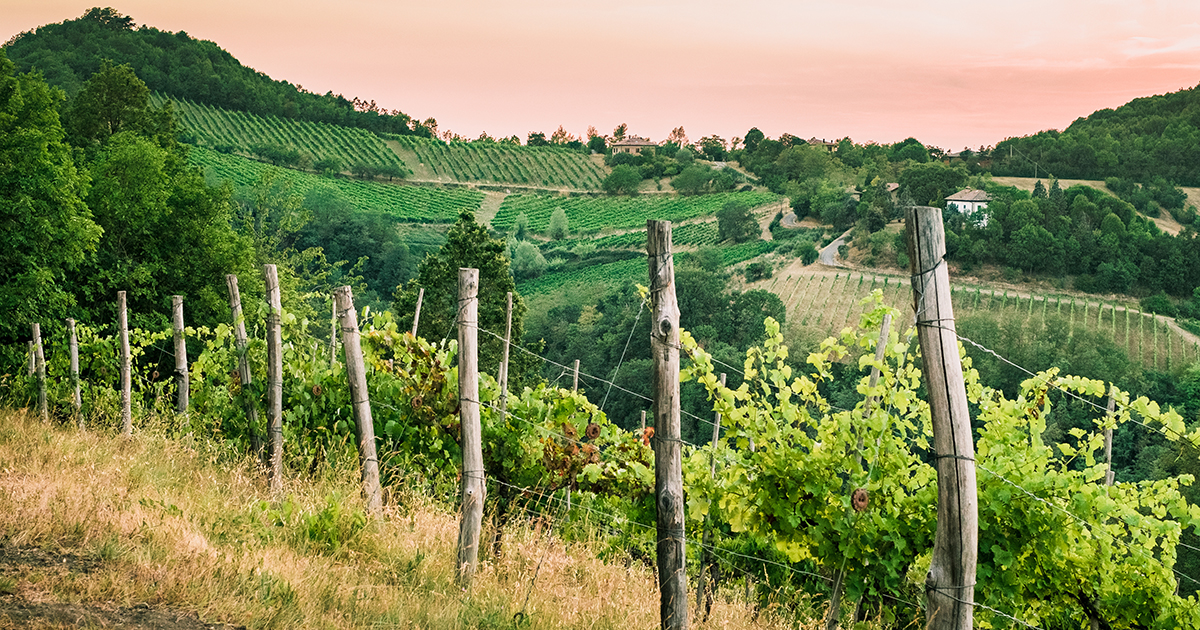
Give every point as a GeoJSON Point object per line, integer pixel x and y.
{"type": "Point", "coordinates": [824, 303]}
{"type": "Point", "coordinates": [601, 277]}
{"type": "Point", "coordinates": [410, 204]}
{"type": "Point", "coordinates": [502, 163]}
{"type": "Point", "coordinates": [215, 127]}
{"type": "Point", "coordinates": [592, 214]}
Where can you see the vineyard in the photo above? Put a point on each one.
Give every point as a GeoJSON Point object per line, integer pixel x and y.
{"type": "Point", "coordinates": [601, 277]}
{"type": "Point", "coordinates": [823, 304]}
{"type": "Point", "coordinates": [213, 127]}
{"type": "Point", "coordinates": [502, 163]}
{"type": "Point", "coordinates": [409, 204]}
{"type": "Point", "coordinates": [592, 214]}
{"type": "Point", "coordinates": [783, 526]}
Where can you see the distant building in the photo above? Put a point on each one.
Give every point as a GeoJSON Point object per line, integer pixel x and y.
{"type": "Point", "coordinates": [817, 142]}
{"type": "Point", "coordinates": [968, 200]}
{"type": "Point", "coordinates": [632, 144]}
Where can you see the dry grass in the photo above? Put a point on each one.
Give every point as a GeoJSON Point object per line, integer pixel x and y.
{"type": "Point", "coordinates": [179, 524]}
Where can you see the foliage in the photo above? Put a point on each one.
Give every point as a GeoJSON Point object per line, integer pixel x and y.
{"type": "Point", "coordinates": [591, 214]}
{"type": "Point", "coordinates": [735, 222]}
{"type": "Point", "coordinates": [559, 228]}
{"type": "Point", "coordinates": [48, 228]}
{"type": "Point", "coordinates": [623, 180]}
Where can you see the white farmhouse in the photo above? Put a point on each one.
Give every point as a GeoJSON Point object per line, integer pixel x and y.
{"type": "Point", "coordinates": [967, 200]}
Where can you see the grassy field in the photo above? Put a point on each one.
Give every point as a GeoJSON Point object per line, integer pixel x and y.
{"type": "Point", "coordinates": [410, 204]}
{"type": "Point", "coordinates": [592, 214]}
{"type": "Point", "coordinates": [182, 534]}
{"type": "Point", "coordinates": [821, 302]}
{"type": "Point", "coordinates": [215, 127]}
{"type": "Point", "coordinates": [497, 163]}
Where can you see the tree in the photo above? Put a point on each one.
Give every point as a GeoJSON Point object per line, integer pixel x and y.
{"type": "Point", "coordinates": [684, 156]}
{"type": "Point", "coordinates": [678, 137]}
{"type": "Point", "coordinates": [558, 228]}
{"type": "Point", "coordinates": [692, 180]}
{"type": "Point", "coordinates": [713, 147]}
{"type": "Point", "coordinates": [537, 139]}
{"type": "Point", "coordinates": [623, 180]}
{"type": "Point", "coordinates": [527, 261]}
{"type": "Point", "coordinates": [521, 227]}
{"type": "Point", "coordinates": [753, 137]}
{"type": "Point", "coordinates": [328, 165]}
{"type": "Point", "coordinates": [47, 228]}
{"type": "Point", "coordinates": [735, 222]}
{"type": "Point", "coordinates": [467, 245]}
{"type": "Point", "coordinates": [930, 184]}
{"type": "Point", "coordinates": [620, 131]}
{"type": "Point", "coordinates": [113, 100]}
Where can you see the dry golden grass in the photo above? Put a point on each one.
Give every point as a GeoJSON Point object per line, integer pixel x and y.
{"type": "Point", "coordinates": [179, 524]}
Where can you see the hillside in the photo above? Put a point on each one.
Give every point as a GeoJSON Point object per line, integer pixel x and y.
{"type": "Point", "coordinates": [69, 52]}
{"type": "Point", "coordinates": [1154, 136]}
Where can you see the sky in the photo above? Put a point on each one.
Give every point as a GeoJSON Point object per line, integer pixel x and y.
{"type": "Point", "coordinates": [954, 74]}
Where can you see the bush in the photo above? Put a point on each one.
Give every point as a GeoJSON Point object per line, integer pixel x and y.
{"type": "Point", "coordinates": [1159, 304]}
{"type": "Point", "coordinates": [623, 180]}
{"type": "Point", "coordinates": [757, 271]}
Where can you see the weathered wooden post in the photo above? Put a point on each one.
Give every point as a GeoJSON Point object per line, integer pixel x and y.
{"type": "Point", "coordinates": [708, 579]}
{"type": "Point", "coordinates": [417, 315]}
{"type": "Point", "coordinates": [668, 463]}
{"type": "Point", "coordinates": [39, 361]}
{"type": "Point", "coordinates": [274, 379]}
{"type": "Point", "coordinates": [182, 379]}
{"type": "Point", "coordinates": [575, 383]}
{"type": "Point", "coordinates": [502, 379]}
{"type": "Point", "coordinates": [474, 488]}
{"type": "Point", "coordinates": [364, 422]}
{"type": "Point", "coordinates": [126, 368]}
{"type": "Point", "coordinates": [239, 340]}
{"type": "Point", "coordinates": [1109, 476]}
{"type": "Point", "coordinates": [950, 584]}
{"type": "Point", "coordinates": [643, 421]}
{"type": "Point", "coordinates": [333, 329]}
{"type": "Point", "coordinates": [76, 397]}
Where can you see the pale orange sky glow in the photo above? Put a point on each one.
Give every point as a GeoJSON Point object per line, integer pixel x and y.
{"type": "Point", "coordinates": [950, 73]}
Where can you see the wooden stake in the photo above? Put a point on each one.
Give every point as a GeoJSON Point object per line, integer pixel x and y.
{"type": "Point", "coordinates": [126, 368]}
{"type": "Point", "coordinates": [704, 590]}
{"type": "Point", "coordinates": [182, 379]}
{"type": "Point", "coordinates": [1109, 476]}
{"type": "Point", "coordinates": [32, 368]}
{"type": "Point", "coordinates": [76, 397]}
{"type": "Point", "coordinates": [417, 315]}
{"type": "Point", "coordinates": [503, 378]}
{"type": "Point", "coordinates": [356, 374]}
{"type": "Point", "coordinates": [643, 421]}
{"type": "Point", "coordinates": [575, 385]}
{"type": "Point", "coordinates": [274, 379]}
{"type": "Point", "coordinates": [40, 367]}
{"type": "Point", "coordinates": [668, 476]}
{"type": "Point", "coordinates": [474, 489]}
{"type": "Point", "coordinates": [950, 584]}
{"type": "Point", "coordinates": [239, 340]}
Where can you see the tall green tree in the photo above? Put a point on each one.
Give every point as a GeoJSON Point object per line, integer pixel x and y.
{"type": "Point", "coordinates": [735, 222]}
{"type": "Point", "coordinates": [47, 228]}
{"type": "Point", "coordinates": [468, 245]}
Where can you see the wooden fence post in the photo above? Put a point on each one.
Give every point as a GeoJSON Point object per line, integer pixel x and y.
{"type": "Point", "coordinates": [182, 379]}
{"type": "Point", "coordinates": [474, 489]}
{"type": "Point", "coordinates": [643, 421]}
{"type": "Point", "coordinates": [239, 340]}
{"type": "Point", "coordinates": [76, 397]}
{"type": "Point", "coordinates": [364, 422]}
{"type": "Point", "coordinates": [126, 368]}
{"type": "Point", "coordinates": [32, 367]}
{"type": "Point", "coordinates": [417, 315]}
{"type": "Point", "coordinates": [502, 379]}
{"type": "Point", "coordinates": [274, 379]}
{"type": "Point", "coordinates": [40, 367]}
{"type": "Point", "coordinates": [950, 584]}
{"type": "Point", "coordinates": [668, 475]}
{"type": "Point", "coordinates": [575, 383]}
{"type": "Point", "coordinates": [1109, 476]}
{"type": "Point", "coordinates": [708, 579]}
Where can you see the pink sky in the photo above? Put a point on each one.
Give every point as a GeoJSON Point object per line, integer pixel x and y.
{"type": "Point", "coordinates": [951, 73]}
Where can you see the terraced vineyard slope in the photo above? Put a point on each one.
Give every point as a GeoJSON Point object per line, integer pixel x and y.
{"type": "Point", "coordinates": [592, 214]}
{"type": "Point", "coordinates": [410, 204]}
{"type": "Point", "coordinates": [214, 127]}
{"type": "Point", "coordinates": [823, 302]}
{"type": "Point", "coordinates": [500, 163]}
